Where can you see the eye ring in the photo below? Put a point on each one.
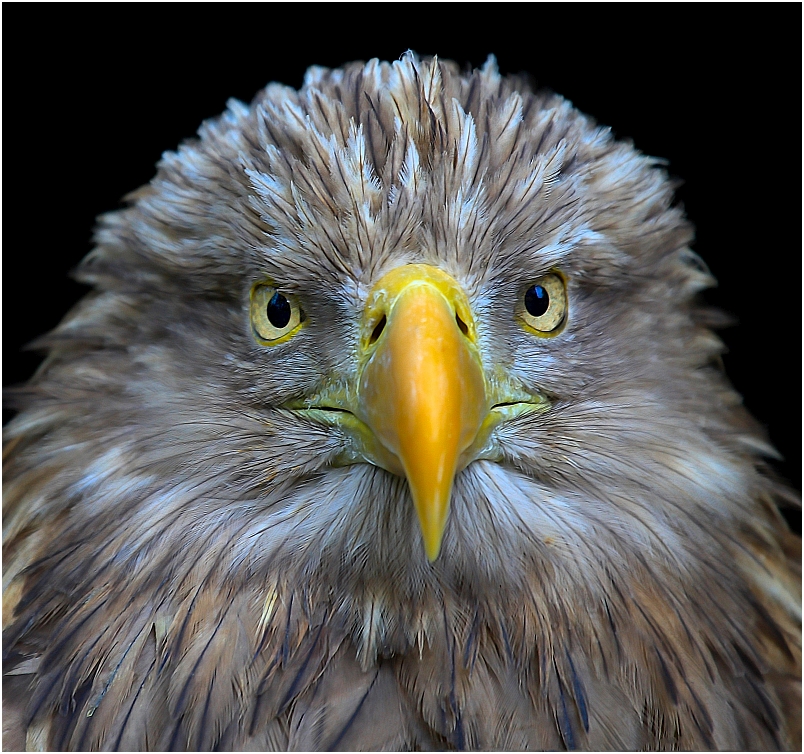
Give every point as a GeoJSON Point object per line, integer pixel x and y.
{"type": "Point", "coordinates": [275, 316]}
{"type": "Point", "coordinates": [542, 307]}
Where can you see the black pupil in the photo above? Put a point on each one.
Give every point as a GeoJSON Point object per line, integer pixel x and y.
{"type": "Point", "coordinates": [536, 300]}
{"type": "Point", "coordinates": [278, 310]}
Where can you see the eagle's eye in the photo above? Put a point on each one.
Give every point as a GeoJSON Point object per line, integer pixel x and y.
{"type": "Point", "coordinates": [275, 316]}
{"type": "Point", "coordinates": [543, 306]}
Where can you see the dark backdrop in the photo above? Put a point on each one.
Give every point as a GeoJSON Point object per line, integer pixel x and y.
{"type": "Point", "coordinates": [94, 94]}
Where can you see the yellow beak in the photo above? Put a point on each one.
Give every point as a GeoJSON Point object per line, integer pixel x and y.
{"type": "Point", "coordinates": [422, 391]}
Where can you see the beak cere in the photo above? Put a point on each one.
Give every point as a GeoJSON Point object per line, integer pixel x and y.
{"type": "Point", "coordinates": [422, 389]}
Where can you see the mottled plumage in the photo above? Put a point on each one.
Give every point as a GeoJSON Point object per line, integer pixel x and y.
{"type": "Point", "coordinates": [191, 562]}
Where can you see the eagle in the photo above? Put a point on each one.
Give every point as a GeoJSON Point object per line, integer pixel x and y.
{"type": "Point", "coordinates": [394, 420]}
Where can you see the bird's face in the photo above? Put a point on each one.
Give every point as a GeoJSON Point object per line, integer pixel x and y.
{"type": "Point", "coordinates": [513, 412]}
{"type": "Point", "coordinates": [390, 354]}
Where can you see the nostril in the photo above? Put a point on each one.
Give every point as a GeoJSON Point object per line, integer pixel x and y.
{"type": "Point", "coordinates": [462, 326]}
{"type": "Point", "coordinates": [377, 331]}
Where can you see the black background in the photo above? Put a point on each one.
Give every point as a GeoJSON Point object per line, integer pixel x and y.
{"type": "Point", "coordinates": [94, 94]}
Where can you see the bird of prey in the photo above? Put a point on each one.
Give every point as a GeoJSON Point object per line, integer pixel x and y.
{"type": "Point", "coordinates": [394, 421]}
